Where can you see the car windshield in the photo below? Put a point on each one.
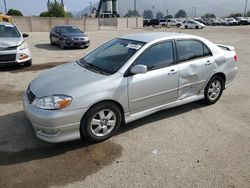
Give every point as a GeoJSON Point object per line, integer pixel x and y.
{"type": "Point", "coordinates": [110, 57]}
{"type": "Point", "coordinates": [67, 29]}
{"type": "Point", "coordinates": [9, 31]}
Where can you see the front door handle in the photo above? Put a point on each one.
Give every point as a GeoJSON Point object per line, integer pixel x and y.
{"type": "Point", "coordinates": [172, 72]}
{"type": "Point", "coordinates": [208, 62]}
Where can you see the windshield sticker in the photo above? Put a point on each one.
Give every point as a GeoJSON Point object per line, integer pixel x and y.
{"type": "Point", "coordinates": [134, 46]}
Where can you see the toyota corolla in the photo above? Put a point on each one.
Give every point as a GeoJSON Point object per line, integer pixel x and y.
{"type": "Point", "coordinates": [126, 79]}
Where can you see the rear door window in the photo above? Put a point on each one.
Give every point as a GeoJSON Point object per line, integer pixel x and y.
{"type": "Point", "coordinates": [191, 49]}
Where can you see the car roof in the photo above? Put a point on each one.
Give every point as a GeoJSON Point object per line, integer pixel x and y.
{"type": "Point", "coordinates": [6, 23]}
{"type": "Point", "coordinates": [66, 26]}
{"type": "Point", "coordinates": [149, 37]}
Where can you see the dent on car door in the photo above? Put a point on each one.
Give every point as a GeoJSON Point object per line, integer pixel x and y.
{"type": "Point", "coordinates": [160, 84]}
{"type": "Point", "coordinates": [196, 65]}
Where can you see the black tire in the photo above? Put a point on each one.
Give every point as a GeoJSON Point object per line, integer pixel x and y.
{"type": "Point", "coordinates": [207, 100]}
{"type": "Point", "coordinates": [61, 45]}
{"type": "Point", "coordinates": [186, 27]}
{"type": "Point", "coordinates": [51, 41]}
{"type": "Point", "coordinates": [197, 27]}
{"type": "Point", "coordinates": [85, 127]}
{"type": "Point", "coordinates": [178, 25]}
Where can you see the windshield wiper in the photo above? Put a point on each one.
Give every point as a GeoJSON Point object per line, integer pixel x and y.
{"type": "Point", "coordinates": [93, 67]}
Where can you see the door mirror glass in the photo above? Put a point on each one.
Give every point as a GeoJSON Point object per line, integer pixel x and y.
{"type": "Point", "coordinates": [139, 69]}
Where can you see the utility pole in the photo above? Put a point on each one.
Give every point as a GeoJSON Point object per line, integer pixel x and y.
{"type": "Point", "coordinates": [194, 12]}
{"type": "Point", "coordinates": [245, 11]}
{"type": "Point", "coordinates": [135, 8]}
{"type": "Point", "coordinates": [5, 6]}
{"type": "Point", "coordinates": [167, 12]}
{"type": "Point", "coordinates": [90, 8]}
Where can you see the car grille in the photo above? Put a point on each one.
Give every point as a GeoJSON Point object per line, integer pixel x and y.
{"type": "Point", "coordinates": [30, 96]}
{"type": "Point", "coordinates": [9, 57]}
{"type": "Point", "coordinates": [78, 39]}
{"type": "Point", "coordinates": [8, 48]}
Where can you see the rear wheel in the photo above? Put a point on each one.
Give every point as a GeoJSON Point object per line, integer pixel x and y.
{"type": "Point", "coordinates": [186, 27]}
{"type": "Point", "coordinates": [101, 122]}
{"type": "Point", "coordinates": [214, 90]}
{"type": "Point", "coordinates": [197, 27]}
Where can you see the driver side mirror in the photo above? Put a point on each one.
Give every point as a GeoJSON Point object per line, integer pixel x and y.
{"type": "Point", "coordinates": [25, 35]}
{"type": "Point", "coordinates": [139, 69]}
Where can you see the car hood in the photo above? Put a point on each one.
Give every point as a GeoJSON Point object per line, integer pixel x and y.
{"type": "Point", "coordinates": [10, 42]}
{"type": "Point", "coordinates": [65, 79]}
{"type": "Point", "coordinates": [73, 35]}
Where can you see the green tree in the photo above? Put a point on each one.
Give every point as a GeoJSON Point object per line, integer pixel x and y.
{"type": "Point", "coordinates": [132, 13]}
{"type": "Point", "coordinates": [14, 12]}
{"type": "Point", "coordinates": [233, 15]}
{"type": "Point", "coordinates": [209, 15]}
{"type": "Point", "coordinates": [148, 14]}
{"type": "Point", "coordinates": [56, 10]}
{"type": "Point", "coordinates": [159, 15]}
{"type": "Point", "coordinates": [169, 17]}
{"type": "Point", "coordinates": [181, 14]}
{"type": "Point", "coordinates": [248, 14]}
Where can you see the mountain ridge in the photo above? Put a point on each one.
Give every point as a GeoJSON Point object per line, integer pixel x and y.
{"type": "Point", "coordinates": [217, 7]}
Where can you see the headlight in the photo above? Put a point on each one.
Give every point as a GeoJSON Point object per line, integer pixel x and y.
{"type": "Point", "coordinates": [54, 102]}
{"type": "Point", "coordinates": [23, 46]}
{"type": "Point", "coordinates": [86, 38]}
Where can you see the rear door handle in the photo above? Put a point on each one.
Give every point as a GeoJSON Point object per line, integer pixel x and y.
{"type": "Point", "coordinates": [172, 72]}
{"type": "Point", "coordinates": [208, 62]}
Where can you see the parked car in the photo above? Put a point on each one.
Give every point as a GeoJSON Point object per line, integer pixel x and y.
{"type": "Point", "coordinates": [241, 21]}
{"type": "Point", "coordinates": [6, 18]}
{"type": "Point", "coordinates": [173, 22]}
{"type": "Point", "coordinates": [13, 48]}
{"type": "Point", "coordinates": [231, 21]}
{"type": "Point", "coordinates": [163, 22]}
{"type": "Point", "coordinates": [69, 36]}
{"type": "Point", "coordinates": [124, 80]}
{"type": "Point", "coordinates": [200, 20]}
{"type": "Point", "coordinates": [151, 22]}
{"type": "Point", "coordinates": [191, 24]}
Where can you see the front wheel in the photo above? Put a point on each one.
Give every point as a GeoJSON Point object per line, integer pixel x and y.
{"type": "Point", "coordinates": [101, 122]}
{"type": "Point", "coordinates": [214, 90]}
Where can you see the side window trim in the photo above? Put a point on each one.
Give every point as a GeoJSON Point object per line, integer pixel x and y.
{"type": "Point", "coordinates": [127, 73]}
{"type": "Point", "coordinates": [178, 56]}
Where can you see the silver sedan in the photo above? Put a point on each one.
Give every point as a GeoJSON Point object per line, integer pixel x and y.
{"type": "Point", "coordinates": [126, 79]}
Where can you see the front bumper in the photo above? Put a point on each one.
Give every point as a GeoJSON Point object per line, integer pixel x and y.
{"type": "Point", "coordinates": [15, 57]}
{"type": "Point", "coordinates": [54, 125]}
{"type": "Point", "coordinates": [73, 43]}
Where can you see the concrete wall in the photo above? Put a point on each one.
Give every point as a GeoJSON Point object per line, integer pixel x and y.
{"type": "Point", "coordinates": [42, 24]}
{"type": "Point", "coordinates": [123, 22]}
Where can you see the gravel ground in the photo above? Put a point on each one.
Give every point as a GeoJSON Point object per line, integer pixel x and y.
{"type": "Point", "coordinates": [188, 146]}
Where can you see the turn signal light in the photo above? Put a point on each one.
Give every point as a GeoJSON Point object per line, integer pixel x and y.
{"type": "Point", "coordinates": [235, 57]}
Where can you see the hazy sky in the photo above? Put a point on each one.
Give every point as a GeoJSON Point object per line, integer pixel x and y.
{"type": "Point", "coordinates": [219, 7]}
{"type": "Point", "coordinates": [35, 7]}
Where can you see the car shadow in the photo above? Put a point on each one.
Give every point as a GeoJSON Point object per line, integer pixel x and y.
{"type": "Point", "coordinates": [16, 129]}
{"type": "Point", "coordinates": [50, 47]}
{"type": "Point", "coordinates": [35, 67]}
{"type": "Point", "coordinates": [26, 161]}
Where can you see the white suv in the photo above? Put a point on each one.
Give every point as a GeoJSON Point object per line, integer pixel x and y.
{"type": "Point", "coordinates": [13, 48]}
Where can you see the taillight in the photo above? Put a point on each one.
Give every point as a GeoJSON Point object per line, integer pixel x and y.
{"type": "Point", "coordinates": [235, 57]}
